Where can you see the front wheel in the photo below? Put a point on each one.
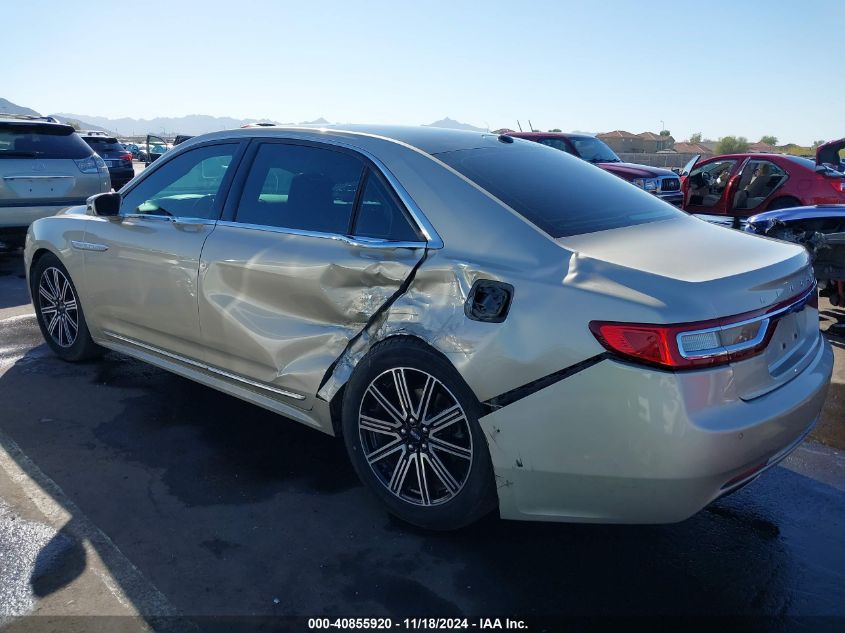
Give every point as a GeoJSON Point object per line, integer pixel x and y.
{"type": "Point", "coordinates": [410, 425]}
{"type": "Point", "coordinates": [59, 312]}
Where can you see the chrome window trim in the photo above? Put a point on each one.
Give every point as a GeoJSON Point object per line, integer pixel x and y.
{"type": "Point", "coordinates": [765, 321]}
{"type": "Point", "coordinates": [424, 227]}
{"type": "Point", "coordinates": [363, 242]}
{"type": "Point", "coordinates": [209, 368]}
{"type": "Point", "coordinates": [175, 219]}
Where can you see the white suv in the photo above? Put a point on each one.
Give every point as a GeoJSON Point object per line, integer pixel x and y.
{"type": "Point", "coordinates": [44, 167]}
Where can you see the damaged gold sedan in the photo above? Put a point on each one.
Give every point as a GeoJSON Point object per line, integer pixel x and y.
{"type": "Point", "coordinates": [485, 321]}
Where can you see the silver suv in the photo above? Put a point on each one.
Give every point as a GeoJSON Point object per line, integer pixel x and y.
{"type": "Point", "coordinates": [44, 167]}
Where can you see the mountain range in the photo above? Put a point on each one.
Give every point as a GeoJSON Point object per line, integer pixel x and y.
{"type": "Point", "coordinates": [192, 124]}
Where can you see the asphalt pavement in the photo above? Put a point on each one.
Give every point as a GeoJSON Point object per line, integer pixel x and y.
{"type": "Point", "coordinates": [128, 491]}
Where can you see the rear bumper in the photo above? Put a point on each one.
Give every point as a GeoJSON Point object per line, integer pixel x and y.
{"type": "Point", "coordinates": [120, 177]}
{"type": "Point", "coordinates": [618, 443]}
{"type": "Point", "coordinates": [21, 216]}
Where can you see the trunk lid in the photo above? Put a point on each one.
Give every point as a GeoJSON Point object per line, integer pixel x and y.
{"type": "Point", "coordinates": [28, 179]}
{"type": "Point", "coordinates": [688, 270]}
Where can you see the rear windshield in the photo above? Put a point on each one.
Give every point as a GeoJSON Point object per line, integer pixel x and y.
{"type": "Point", "coordinates": [102, 143]}
{"type": "Point", "coordinates": [40, 141]}
{"type": "Point", "coordinates": [555, 191]}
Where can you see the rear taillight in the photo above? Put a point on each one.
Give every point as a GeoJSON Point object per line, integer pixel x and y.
{"type": "Point", "coordinates": [90, 165]}
{"type": "Point", "coordinates": [126, 156]}
{"type": "Point", "coordinates": [699, 344]}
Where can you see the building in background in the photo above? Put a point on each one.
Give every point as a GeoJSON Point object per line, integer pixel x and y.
{"type": "Point", "coordinates": [643, 143]}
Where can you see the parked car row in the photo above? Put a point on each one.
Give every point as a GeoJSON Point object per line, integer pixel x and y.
{"type": "Point", "coordinates": [745, 184]}
{"type": "Point", "coordinates": [487, 322]}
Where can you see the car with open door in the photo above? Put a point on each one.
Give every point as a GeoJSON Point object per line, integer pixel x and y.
{"type": "Point", "coordinates": [741, 185]}
{"type": "Point", "coordinates": [395, 287]}
{"type": "Point", "coordinates": [154, 147]}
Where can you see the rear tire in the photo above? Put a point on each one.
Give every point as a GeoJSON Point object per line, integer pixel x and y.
{"type": "Point", "coordinates": [786, 202]}
{"type": "Point", "coordinates": [59, 311]}
{"type": "Point", "coordinates": [410, 425]}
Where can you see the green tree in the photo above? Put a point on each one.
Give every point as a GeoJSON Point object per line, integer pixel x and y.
{"type": "Point", "coordinates": [665, 133]}
{"type": "Point", "coordinates": [769, 139]}
{"type": "Point", "coordinates": [732, 145]}
{"type": "Point", "coordinates": [817, 143]}
{"type": "Point", "coordinates": [695, 138]}
{"type": "Point", "coordinates": [557, 129]}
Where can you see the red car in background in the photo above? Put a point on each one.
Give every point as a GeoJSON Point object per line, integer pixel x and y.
{"type": "Point", "coordinates": [745, 184]}
{"type": "Point", "coordinates": [663, 183]}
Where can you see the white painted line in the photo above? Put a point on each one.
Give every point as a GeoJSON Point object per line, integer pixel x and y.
{"type": "Point", "coordinates": [110, 564]}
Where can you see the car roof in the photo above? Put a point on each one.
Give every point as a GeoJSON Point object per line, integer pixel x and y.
{"type": "Point", "coordinates": [430, 140]}
{"type": "Point", "coordinates": [34, 122]}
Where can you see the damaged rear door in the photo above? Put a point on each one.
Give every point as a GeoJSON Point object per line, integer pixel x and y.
{"type": "Point", "coordinates": [312, 244]}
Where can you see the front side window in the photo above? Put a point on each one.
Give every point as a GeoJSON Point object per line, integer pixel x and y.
{"type": "Point", "coordinates": [559, 193]}
{"type": "Point", "coordinates": [707, 183]}
{"type": "Point", "coordinates": [380, 216]}
{"type": "Point", "coordinates": [300, 187]}
{"type": "Point", "coordinates": [186, 186]}
{"type": "Point", "coordinates": [557, 143]}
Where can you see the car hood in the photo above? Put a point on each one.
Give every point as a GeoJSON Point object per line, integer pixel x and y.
{"type": "Point", "coordinates": [829, 152]}
{"type": "Point", "coordinates": [632, 170]}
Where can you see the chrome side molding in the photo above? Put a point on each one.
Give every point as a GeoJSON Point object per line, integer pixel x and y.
{"type": "Point", "coordinates": [88, 246]}
{"type": "Point", "coordinates": [203, 366]}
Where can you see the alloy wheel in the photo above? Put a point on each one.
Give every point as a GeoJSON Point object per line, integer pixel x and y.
{"type": "Point", "coordinates": [415, 436]}
{"type": "Point", "coordinates": [58, 307]}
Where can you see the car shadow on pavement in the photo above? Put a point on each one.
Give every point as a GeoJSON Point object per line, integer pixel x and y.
{"type": "Point", "coordinates": [13, 280]}
{"type": "Point", "coordinates": [227, 509]}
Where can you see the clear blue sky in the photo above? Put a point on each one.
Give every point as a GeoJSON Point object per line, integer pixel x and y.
{"type": "Point", "coordinates": [720, 67]}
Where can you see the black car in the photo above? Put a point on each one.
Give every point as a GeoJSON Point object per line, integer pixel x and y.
{"type": "Point", "coordinates": [117, 158]}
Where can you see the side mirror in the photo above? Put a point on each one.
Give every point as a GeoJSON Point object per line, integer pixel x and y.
{"type": "Point", "coordinates": [105, 204]}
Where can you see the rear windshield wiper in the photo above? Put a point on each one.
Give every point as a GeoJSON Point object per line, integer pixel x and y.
{"type": "Point", "coordinates": [19, 153]}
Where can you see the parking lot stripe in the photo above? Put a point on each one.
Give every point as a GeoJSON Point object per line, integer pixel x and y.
{"type": "Point", "coordinates": [117, 572]}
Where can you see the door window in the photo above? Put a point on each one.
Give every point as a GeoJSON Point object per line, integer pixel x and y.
{"type": "Point", "coordinates": [186, 187]}
{"type": "Point", "coordinates": [707, 183]}
{"type": "Point", "coordinates": [557, 143]}
{"type": "Point", "coordinates": [380, 215]}
{"type": "Point", "coordinates": [759, 179]}
{"type": "Point", "coordinates": [300, 187]}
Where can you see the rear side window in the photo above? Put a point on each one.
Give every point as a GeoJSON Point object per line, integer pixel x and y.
{"type": "Point", "coordinates": [300, 187]}
{"type": "Point", "coordinates": [557, 192]}
{"type": "Point", "coordinates": [380, 216]}
{"type": "Point", "coordinates": [41, 141]}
